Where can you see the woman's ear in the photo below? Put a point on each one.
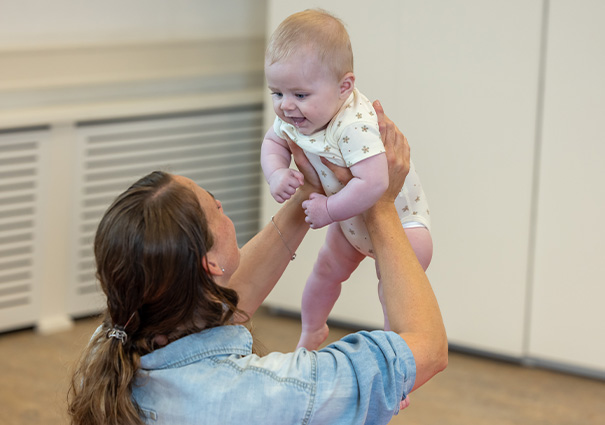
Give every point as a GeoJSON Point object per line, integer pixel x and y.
{"type": "Point", "coordinates": [347, 84]}
{"type": "Point", "coordinates": [211, 267]}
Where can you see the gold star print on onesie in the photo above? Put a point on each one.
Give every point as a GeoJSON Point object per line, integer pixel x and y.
{"type": "Point", "coordinates": [349, 138]}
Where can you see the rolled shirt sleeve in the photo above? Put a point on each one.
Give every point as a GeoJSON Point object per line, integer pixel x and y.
{"type": "Point", "coordinates": [362, 378]}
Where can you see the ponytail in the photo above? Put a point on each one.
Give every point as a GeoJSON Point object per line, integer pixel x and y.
{"type": "Point", "coordinates": [101, 387]}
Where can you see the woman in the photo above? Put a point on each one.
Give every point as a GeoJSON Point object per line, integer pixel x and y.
{"type": "Point", "coordinates": [170, 349]}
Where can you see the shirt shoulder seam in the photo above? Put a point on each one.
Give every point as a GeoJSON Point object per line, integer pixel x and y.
{"type": "Point", "coordinates": [309, 412]}
{"type": "Point", "coordinates": [292, 381]}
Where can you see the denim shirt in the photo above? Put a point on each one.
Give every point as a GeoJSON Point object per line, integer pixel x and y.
{"type": "Point", "coordinates": [212, 377]}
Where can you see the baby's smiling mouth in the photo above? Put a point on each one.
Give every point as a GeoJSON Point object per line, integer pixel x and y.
{"type": "Point", "coordinates": [297, 121]}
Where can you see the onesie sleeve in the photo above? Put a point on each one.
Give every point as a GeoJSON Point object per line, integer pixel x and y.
{"type": "Point", "coordinates": [364, 375]}
{"type": "Point", "coordinates": [360, 140]}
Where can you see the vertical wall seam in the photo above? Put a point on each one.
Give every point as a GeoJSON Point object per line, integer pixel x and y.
{"type": "Point", "coordinates": [535, 188]}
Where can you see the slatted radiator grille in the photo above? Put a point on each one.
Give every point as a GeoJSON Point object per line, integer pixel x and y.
{"type": "Point", "coordinates": [19, 204]}
{"type": "Point", "coordinates": [219, 150]}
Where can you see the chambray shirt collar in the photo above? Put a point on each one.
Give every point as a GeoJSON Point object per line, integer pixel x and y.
{"type": "Point", "coordinates": [227, 340]}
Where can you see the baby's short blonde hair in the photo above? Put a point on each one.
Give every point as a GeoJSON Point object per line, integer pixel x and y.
{"type": "Point", "coordinates": [318, 31]}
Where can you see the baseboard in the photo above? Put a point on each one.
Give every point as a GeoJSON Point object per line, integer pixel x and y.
{"type": "Point", "coordinates": [53, 324]}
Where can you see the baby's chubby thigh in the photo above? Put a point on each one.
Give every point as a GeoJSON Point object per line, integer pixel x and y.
{"type": "Point", "coordinates": [356, 233]}
{"type": "Point", "coordinates": [422, 244]}
{"type": "Point", "coordinates": [337, 257]}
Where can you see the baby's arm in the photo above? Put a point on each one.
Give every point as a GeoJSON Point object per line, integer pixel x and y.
{"type": "Point", "coordinates": [369, 182]}
{"type": "Point", "coordinates": [275, 160]}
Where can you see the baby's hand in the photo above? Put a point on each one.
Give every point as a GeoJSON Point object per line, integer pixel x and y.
{"type": "Point", "coordinates": [284, 182]}
{"type": "Point", "coordinates": [316, 209]}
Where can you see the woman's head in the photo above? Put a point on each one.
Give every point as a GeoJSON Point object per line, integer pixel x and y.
{"type": "Point", "coordinates": [151, 250]}
{"type": "Point", "coordinates": [158, 248]}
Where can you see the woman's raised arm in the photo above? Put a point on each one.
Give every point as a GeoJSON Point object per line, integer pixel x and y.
{"type": "Point", "coordinates": [410, 303]}
{"type": "Point", "coordinates": [265, 257]}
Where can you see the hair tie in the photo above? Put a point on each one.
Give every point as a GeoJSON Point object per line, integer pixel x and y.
{"type": "Point", "coordinates": [119, 332]}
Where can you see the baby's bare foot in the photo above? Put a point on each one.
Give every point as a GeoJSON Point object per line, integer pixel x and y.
{"type": "Point", "coordinates": [404, 403]}
{"type": "Point", "coordinates": [311, 340]}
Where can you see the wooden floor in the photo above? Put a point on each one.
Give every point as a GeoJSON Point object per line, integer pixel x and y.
{"type": "Point", "coordinates": [34, 372]}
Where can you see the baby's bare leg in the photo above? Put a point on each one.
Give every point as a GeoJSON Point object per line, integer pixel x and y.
{"type": "Point", "coordinates": [336, 261]}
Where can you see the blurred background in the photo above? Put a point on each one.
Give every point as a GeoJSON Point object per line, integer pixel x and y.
{"type": "Point", "coordinates": [502, 103]}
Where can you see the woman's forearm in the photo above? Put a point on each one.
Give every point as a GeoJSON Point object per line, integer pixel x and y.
{"type": "Point", "coordinates": [265, 257]}
{"type": "Point", "coordinates": [410, 303]}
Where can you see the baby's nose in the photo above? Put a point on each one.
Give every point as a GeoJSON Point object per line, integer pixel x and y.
{"type": "Point", "coordinates": [287, 104]}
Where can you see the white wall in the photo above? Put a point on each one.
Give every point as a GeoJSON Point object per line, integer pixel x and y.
{"type": "Point", "coordinates": [568, 317]}
{"type": "Point", "coordinates": [42, 23]}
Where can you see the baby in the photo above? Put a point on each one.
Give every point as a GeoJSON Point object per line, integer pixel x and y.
{"type": "Point", "coordinates": [309, 70]}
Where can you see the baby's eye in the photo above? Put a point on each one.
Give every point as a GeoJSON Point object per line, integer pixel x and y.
{"type": "Point", "coordinates": [301, 95]}
{"type": "Point", "coordinates": [277, 94]}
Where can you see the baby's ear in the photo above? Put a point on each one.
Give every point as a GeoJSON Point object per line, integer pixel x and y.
{"type": "Point", "coordinates": [347, 84]}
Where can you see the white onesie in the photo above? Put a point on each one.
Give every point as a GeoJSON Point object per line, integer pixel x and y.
{"type": "Point", "coordinates": [352, 136]}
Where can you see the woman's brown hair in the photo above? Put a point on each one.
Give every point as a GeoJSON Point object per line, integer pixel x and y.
{"type": "Point", "coordinates": [149, 250]}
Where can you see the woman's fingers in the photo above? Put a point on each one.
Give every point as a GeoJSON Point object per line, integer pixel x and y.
{"type": "Point", "coordinates": [397, 150]}
{"type": "Point", "coordinates": [343, 174]}
{"type": "Point", "coordinates": [303, 164]}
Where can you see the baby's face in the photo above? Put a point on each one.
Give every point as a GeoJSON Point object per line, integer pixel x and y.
{"type": "Point", "coordinates": [304, 92]}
